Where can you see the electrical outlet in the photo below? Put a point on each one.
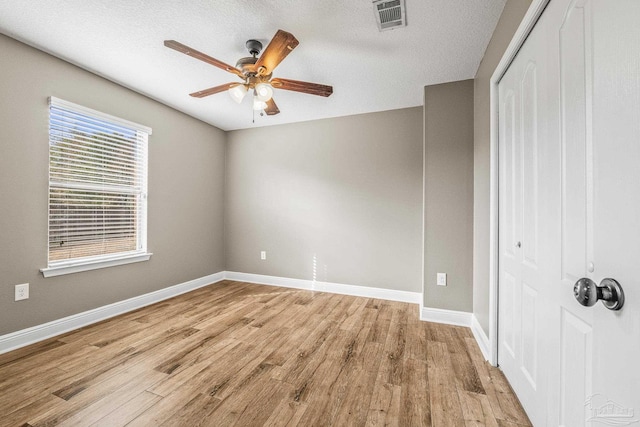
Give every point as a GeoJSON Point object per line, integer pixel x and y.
{"type": "Point", "coordinates": [263, 255]}
{"type": "Point", "coordinates": [441, 279]}
{"type": "Point", "coordinates": [22, 291]}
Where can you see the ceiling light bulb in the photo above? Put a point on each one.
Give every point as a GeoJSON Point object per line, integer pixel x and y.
{"type": "Point", "coordinates": [237, 93]}
{"type": "Point", "coordinates": [264, 91]}
{"type": "Point", "coordinates": [258, 105]}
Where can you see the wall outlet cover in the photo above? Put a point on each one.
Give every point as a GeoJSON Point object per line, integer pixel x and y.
{"type": "Point", "coordinates": [22, 292]}
{"type": "Point", "coordinates": [263, 255]}
{"type": "Point", "coordinates": [441, 279]}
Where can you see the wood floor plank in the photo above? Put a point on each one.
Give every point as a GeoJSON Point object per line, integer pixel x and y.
{"type": "Point", "coordinates": [466, 374]}
{"type": "Point", "coordinates": [382, 400]}
{"type": "Point", "coordinates": [511, 408]}
{"type": "Point", "coordinates": [270, 394]}
{"type": "Point", "coordinates": [24, 353]}
{"type": "Point", "coordinates": [415, 391]}
{"type": "Point", "coordinates": [444, 400]}
{"type": "Point", "coordinates": [123, 360]}
{"type": "Point", "coordinates": [380, 328]}
{"type": "Point", "coordinates": [19, 373]}
{"type": "Point", "coordinates": [89, 396]}
{"type": "Point", "coordinates": [259, 386]}
{"type": "Point", "coordinates": [164, 409]}
{"type": "Point", "coordinates": [213, 377]}
{"type": "Point", "coordinates": [362, 377]}
{"type": "Point", "coordinates": [476, 409]}
{"type": "Point", "coordinates": [304, 342]}
{"type": "Point", "coordinates": [195, 413]}
{"type": "Point", "coordinates": [125, 413]}
{"type": "Point", "coordinates": [325, 388]}
{"type": "Point", "coordinates": [21, 393]}
{"type": "Point", "coordinates": [128, 391]}
{"type": "Point", "coordinates": [416, 347]}
{"type": "Point", "coordinates": [286, 414]}
{"type": "Point", "coordinates": [304, 359]}
{"type": "Point", "coordinates": [239, 354]}
{"type": "Point", "coordinates": [393, 416]}
{"type": "Point", "coordinates": [393, 358]}
{"type": "Point", "coordinates": [354, 409]}
{"type": "Point", "coordinates": [39, 404]}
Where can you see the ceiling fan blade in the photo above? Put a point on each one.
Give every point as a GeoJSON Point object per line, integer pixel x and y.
{"type": "Point", "coordinates": [202, 57]}
{"type": "Point", "coordinates": [214, 90]}
{"type": "Point", "coordinates": [279, 47]}
{"type": "Point", "coordinates": [272, 109]}
{"type": "Point", "coordinates": [304, 87]}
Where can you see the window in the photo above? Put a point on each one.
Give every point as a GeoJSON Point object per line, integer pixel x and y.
{"type": "Point", "coordinates": [97, 190]}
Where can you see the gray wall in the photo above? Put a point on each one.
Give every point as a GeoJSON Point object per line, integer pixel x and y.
{"type": "Point", "coordinates": [336, 200]}
{"type": "Point", "coordinates": [510, 19]}
{"type": "Point", "coordinates": [186, 183]}
{"type": "Point", "coordinates": [448, 194]}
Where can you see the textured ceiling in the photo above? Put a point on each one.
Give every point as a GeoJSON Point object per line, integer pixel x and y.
{"type": "Point", "coordinates": [340, 45]}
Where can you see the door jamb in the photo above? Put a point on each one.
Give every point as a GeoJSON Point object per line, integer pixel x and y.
{"type": "Point", "coordinates": [526, 26]}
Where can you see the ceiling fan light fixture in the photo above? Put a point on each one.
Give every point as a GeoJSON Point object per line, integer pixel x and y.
{"type": "Point", "coordinates": [258, 105]}
{"type": "Point", "coordinates": [264, 92]}
{"type": "Point", "coordinates": [238, 93]}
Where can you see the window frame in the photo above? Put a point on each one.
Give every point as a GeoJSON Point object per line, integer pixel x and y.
{"type": "Point", "coordinates": [85, 263]}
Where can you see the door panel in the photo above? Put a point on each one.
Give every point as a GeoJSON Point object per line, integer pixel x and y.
{"type": "Point", "coordinates": [575, 144]}
{"type": "Point", "coordinates": [529, 90]}
{"type": "Point", "coordinates": [509, 299]}
{"type": "Point", "coordinates": [508, 172]}
{"type": "Point", "coordinates": [529, 334]}
{"type": "Point", "coordinates": [575, 373]}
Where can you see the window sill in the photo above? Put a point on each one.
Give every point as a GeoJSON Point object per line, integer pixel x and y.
{"type": "Point", "coordinates": [59, 270]}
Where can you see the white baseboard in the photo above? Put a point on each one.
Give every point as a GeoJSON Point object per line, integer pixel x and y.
{"type": "Point", "coordinates": [37, 333]}
{"type": "Point", "coordinates": [449, 317]}
{"type": "Point", "coordinates": [335, 288]}
{"type": "Point", "coordinates": [481, 337]}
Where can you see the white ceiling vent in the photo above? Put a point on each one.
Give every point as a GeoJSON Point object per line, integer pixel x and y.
{"type": "Point", "coordinates": [390, 14]}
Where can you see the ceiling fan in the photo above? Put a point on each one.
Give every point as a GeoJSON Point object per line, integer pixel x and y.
{"type": "Point", "coordinates": [256, 72]}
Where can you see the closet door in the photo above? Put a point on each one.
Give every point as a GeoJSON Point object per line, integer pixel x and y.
{"type": "Point", "coordinates": [523, 290]}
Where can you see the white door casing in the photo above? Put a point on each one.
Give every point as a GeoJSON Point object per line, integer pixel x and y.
{"type": "Point", "coordinates": [586, 55]}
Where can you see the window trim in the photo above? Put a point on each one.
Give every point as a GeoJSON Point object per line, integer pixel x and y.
{"type": "Point", "coordinates": [78, 266]}
{"type": "Point", "coordinates": [75, 265]}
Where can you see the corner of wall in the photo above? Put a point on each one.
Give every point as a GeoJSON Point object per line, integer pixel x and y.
{"type": "Point", "coordinates": [225, 191]}
{"type": "Point", "coordinates": [448, 195]}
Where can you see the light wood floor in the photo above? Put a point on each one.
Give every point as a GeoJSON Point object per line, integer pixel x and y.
{"type": "Point", "coordinates": [237, 354]}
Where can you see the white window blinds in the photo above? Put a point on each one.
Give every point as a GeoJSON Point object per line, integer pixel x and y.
{"type": "Point", "coordinates": [97, 185]}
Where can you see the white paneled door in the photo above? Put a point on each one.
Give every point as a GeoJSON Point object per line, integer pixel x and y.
{"type": "Point", "coordinates": [569, 210]}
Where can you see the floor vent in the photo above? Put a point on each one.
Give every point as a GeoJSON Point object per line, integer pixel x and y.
{"type": "Point", "coordinates": [390, 14]}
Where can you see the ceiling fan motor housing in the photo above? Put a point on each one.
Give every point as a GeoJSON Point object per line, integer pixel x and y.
{"type": "Point", "coordinates": [246, 64]}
